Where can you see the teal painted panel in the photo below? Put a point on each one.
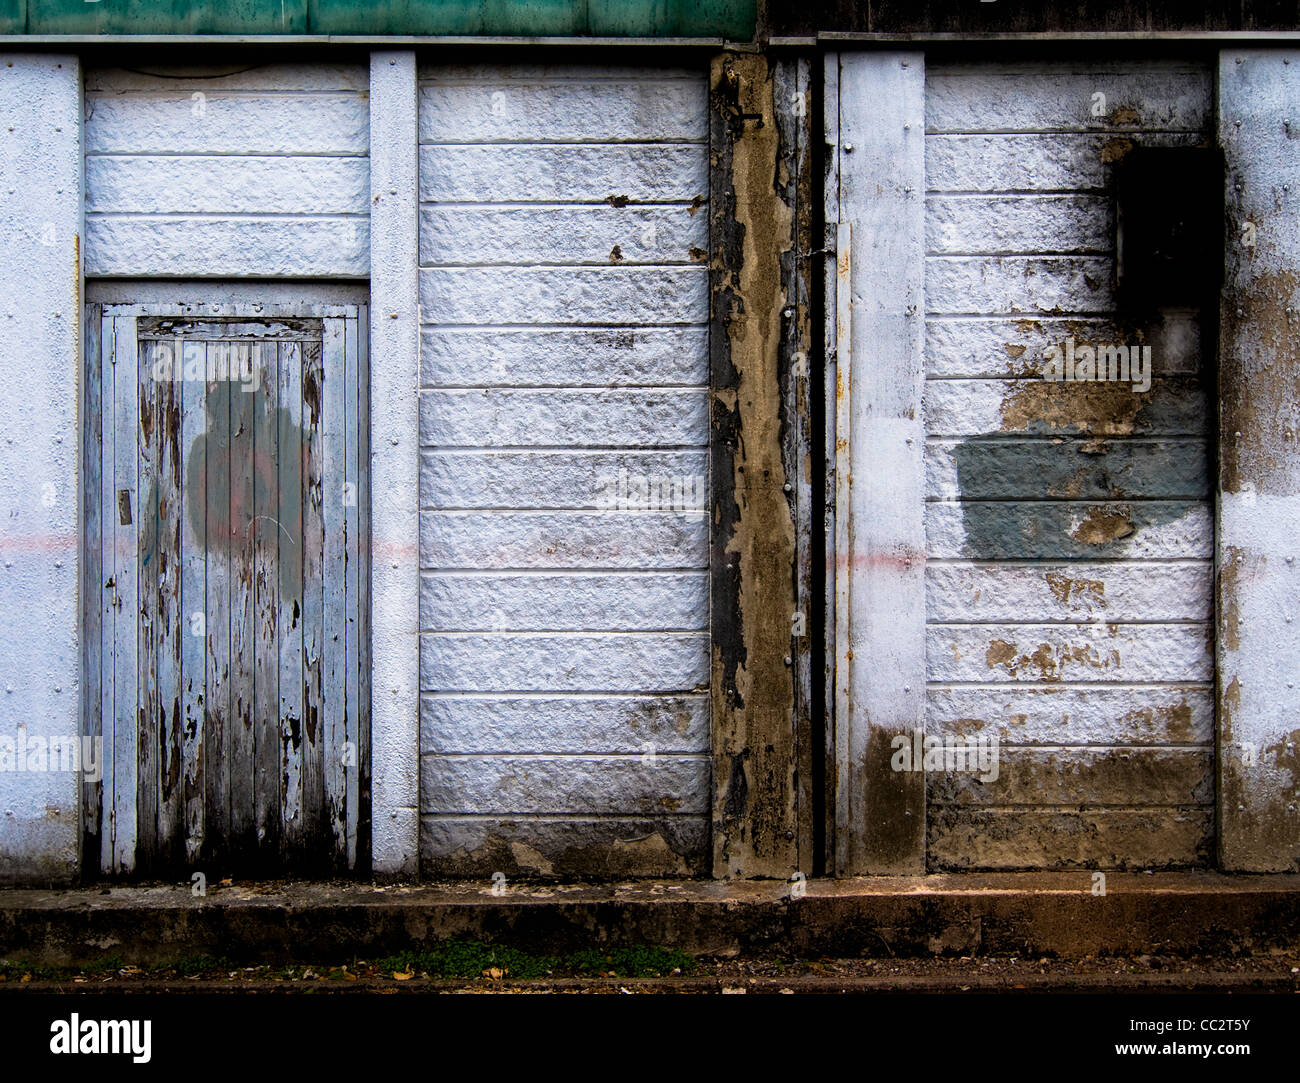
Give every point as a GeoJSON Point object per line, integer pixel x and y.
{"type": "Point", "coordinates": [732, 19]}
{"type": "Point", "coordinates": [532, 17]}
{"type": "Point", "coordinates": [13, 16]}
{"type": "Point", "coordinates": [166, 16]}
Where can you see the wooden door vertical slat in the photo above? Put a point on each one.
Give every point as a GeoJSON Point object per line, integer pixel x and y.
{"type": "Point", "coordinates": [267, 532]}
{"type": "Point", "coordinates": [313, 603]}
{"type": "Point", "coordinates": [92, 652]}
{"type": "Point", "coordinates": [106, 587]}
{"type": "Point", "coordinates": [289, 363]}
{"type": "Point", "coordinates": [211, 470]}
{"type": "Point", "coordinates": [126, 515]}
{"type": "Point", "coordinates": [149, 739]}
{"type": "Point", "coordinates": [170, 805]}
{"type": "Point", "coordinates": [334, 678]}
{"type": "Point", "coordinates": [193, 604]}
{"type": "Point", "coordinates": [351, 568]}
{"type": "Point", "coordinates": [241, 747]}
{"type": "Point", "coordinates": [363, 589]}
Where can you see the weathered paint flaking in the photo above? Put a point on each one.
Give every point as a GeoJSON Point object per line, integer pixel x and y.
{"type": "Point", "coordinates": [1068, 526]}
{"type": "Point", "coordinates": [753, 545]}
{"type": "Point", "coordinates": [1259, 471]}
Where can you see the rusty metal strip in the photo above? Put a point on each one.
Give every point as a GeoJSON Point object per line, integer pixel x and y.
{"type": "Point", "coordinates": [843, 527]}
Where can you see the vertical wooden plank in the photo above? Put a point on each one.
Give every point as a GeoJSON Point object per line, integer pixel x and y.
{"type": "Point", "coordinates": [351, 567]}
{"type": "Point", "coordinates": [241, 749]}
{"type": "Point", "coordinates": [106, 588]}
{"type": "Point", "coordinates": [363, 587]}
{"type": "Point", "coordinates": [211, 470]}
{"type": "Point", "coordinates": [169, 627]}
{"type": "Point", "coordinates": [290, 497]}
{"type": "Point", "coordinates": [830, 223]}
{"type": "Point", "coordinates": [126, 516]}
{"type": "Point", "coordinates": [313, 601]}
{"type": "Point", "coordinates": [266, 531]}
{"type": "Point", "coordinates": [149, 738]}
{"type": "Point", "coordinates": [793, 109]}
{"type": "Point", "coordinates": [92, 652]}
{"type": "Point", "coordinates": [333, 668]}
{"type": "Point", "coordinates": [193, 600]}
{"type": "Point", "coordinates": [882, 197]}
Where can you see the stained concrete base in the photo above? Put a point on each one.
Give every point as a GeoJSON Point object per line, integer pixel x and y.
{"type": "Point", "coordinates": [1034, 914]}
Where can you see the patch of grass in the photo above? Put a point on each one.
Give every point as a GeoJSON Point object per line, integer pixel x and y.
{"type": "Point", "coordinates": [471, 959]}
{"type": "Point", "coordinates": [468, 959]}
{"type": "Point", "coordinates": [14, 970]}
{"type": "Point", "coordinates": [452, 959]}
{"type": "Point", "coordinates": [638, 962]}
{"type": "Point", "coordinates": [192, 966]}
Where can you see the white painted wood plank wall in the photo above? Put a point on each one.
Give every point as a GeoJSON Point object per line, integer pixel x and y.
{"type": "Point", "coordinates": [1069, 529]}
{"type": "Point", "coordinates": [564, 366]}
{"type": "Point", "coordinates": [259, 173]}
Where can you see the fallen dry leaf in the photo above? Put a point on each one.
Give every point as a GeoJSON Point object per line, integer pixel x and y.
{"type": "Point", "coordinates": [403, 975]}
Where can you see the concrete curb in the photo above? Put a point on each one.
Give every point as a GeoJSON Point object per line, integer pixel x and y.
{"type": "Point", "coordinates": [1027, 913]}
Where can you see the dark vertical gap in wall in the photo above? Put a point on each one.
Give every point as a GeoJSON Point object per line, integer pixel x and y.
{"type": "Point", "coordinates": [1210, 326]}
{"type": "Point", "coordinates": [817, 426]}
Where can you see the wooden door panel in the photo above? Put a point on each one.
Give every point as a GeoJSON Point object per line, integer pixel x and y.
{"type": "Point", "coordinates": [230, 508]}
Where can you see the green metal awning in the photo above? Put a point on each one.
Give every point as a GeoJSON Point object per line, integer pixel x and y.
{"type": "Point", "coordinates": [731, 19]}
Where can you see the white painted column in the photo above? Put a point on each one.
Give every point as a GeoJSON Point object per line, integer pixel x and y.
{"type": "Point", "coordinates": [40, 315]}
{"type": "Point", "coordinates": [394, 466]}
{"type": "Point", "coordinates": [880, 470]}
{"type": "Point", "coordinates": [1258, 530]}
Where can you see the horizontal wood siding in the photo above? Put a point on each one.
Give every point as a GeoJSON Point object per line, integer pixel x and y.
{"type": "Point", "coordinates": [256, 174]}
{"type": "Point", "coordinates": [1069, 527]}
{"type": "Point", "coordinates": [564, 427]}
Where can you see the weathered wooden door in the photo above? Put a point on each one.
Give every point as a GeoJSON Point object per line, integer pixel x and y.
{"type": "Point", "coordinates": [227, 507]}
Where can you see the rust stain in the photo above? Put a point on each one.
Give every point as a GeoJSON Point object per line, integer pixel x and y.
{"type": "Point", "coordinates": [1102, 526]}
{"type": "Point", "coordinates": [1000, 652]}
{"type": "Point", "coordinates": [1102, 409]}
{"type": "Point", "coordinates": [1014, 349]}
{"type": "Point", "coordinates": [1229, 592]}
{"type": "Point", "coordinates": [1259, 386]}
{"type": "Point", "coordinates": [1047, 662]}
{"type": "Point", "coordinates": [1171, 722]}
{"type": "Point", "coordinates": [1067, 590]}
{"type": "Point", "coordinates": [1286, 754]}
{"type": "Point", "coordinates": [1124, 114]}
{"type": "Point", "coordinates": [1113, 150]}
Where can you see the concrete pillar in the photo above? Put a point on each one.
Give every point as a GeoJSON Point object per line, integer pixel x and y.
{"type": "Point", "coordinates": [394, 465]}
{"type": "Point", "coordinates": [1258, 529]}
{"type": "Point", "coordinates": [40, 353]}
{"type": "Point", "coordinates": [880, 473]}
